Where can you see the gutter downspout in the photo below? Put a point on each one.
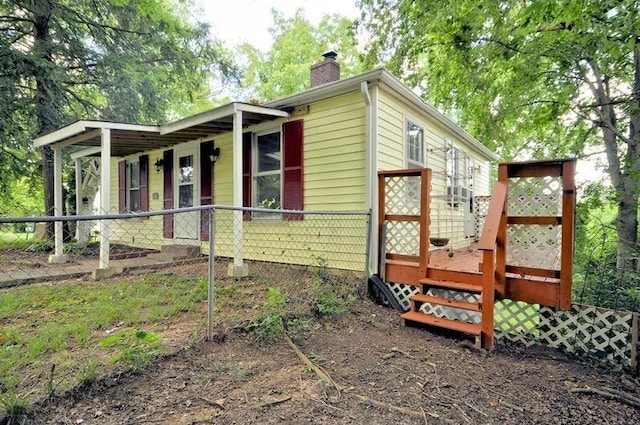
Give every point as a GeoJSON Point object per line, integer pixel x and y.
{"type": "Point", "coordinates": [370, 177]}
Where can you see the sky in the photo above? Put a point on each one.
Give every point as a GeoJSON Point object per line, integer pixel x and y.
{"type": "Point", "coordinates": [238, 21]}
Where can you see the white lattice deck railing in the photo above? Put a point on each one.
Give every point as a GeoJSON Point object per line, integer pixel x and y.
{"type": "Point", "coordinates": [608, 335]}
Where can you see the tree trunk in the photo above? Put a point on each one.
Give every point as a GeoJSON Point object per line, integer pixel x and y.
{"type": "Point", "coordinates": [46, 104]}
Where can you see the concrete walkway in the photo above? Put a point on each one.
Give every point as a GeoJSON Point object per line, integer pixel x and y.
{"type": "Point", "coordinates": [84, 267]}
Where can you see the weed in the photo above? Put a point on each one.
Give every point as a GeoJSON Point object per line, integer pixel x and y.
{"type": "Point", "coordinates": [139, 348]}
{"type": "Point", "coordinates": [298, 328]}
{"type": "Point", "coordinates": [89, 373]}
{"type": "Point", "coordinates": [16, 407]}
{"type": "Point", "coordinates": [270, 326]}
{"type": "Point", "coordinates": [332, 295]}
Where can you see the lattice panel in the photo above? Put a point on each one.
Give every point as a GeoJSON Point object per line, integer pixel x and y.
{"type": "Point", "coordinates": [481, 209]}
{"type": "Point", "coordinates": [515, 320]}
{"type": "Point", "coordinates": [402, 195]}
{"type": "Point", "coordinates": [402, 293]}
{"type": "Point", "coordinates": [403, 237]}
{"type": "Point", "coordinates": [534, 246]}
{"type": "Point", "coordinates": [601, 333]}
{"type": "Point", "coordinates": [535, 196]}
{"type": "Point", "coordinates": [452, 313]}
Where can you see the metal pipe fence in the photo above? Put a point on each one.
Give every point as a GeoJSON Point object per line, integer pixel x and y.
{"type": "Point", "coordinates": [207, 242]}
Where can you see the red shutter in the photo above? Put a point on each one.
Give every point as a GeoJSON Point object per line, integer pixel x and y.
{"type": "Point", "coordinates": [122, 187]}
{"type": "Point", "coordinates": [144, 182]}
{"type": "Point", "coordinates": [206, 187]}
{"type": "Point", "coordinates": [293, 199]}
{"type": "Point", "coordinates": [167, 196]}
{"type": "Point", "coordinates": [246, 173]}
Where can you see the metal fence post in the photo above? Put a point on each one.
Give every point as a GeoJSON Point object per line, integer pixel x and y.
{"type": "Point", "coordinates": [211, 286]}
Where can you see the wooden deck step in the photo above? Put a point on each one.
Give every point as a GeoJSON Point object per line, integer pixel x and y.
{"type": "Point", "coordinates": [449, 284]}
{"type": "Point", "coordinates": [430, 299]}
{"type": "Point", "coordinates": [428, 319]}
{"type": "Point", "coordinates": [402, 263]}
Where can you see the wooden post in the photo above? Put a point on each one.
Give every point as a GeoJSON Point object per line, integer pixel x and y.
{"type": "Point", "coordinates": [488, 299]}
{"type": "Point", "coordinates": [568, 224]}
{"type": "Point", "coordinates": [425, 214]}
{"type": "Point", "coordinates": [381, 213]}
{"type": "Point", "coordinates": [501, 241]}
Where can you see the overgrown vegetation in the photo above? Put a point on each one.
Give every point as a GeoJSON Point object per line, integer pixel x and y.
{"type": "Point", "coordinates": [597, 278]}
{"type": "Point", "coordinates": [330, 295]}
{"type": "Point", "coordinates": [57, 337]}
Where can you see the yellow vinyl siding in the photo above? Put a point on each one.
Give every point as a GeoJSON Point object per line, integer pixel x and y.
{"type": "Point", "coordinates": [392, 116]}
{"type": "Point", "coordinates": [334, 179]}
{"type": "Point", "coordinates": [139, 232]}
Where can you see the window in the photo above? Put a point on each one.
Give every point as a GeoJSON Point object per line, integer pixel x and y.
{"type": "Point", "coordinates": [272, 169]}
{"type": "Point", "coordinates": [415, 159]}
{"type": "Point", "coordinates": [415, 145]}
{"type": "Point", "coordinates": [133, 179]}
{"type": "Point", "coordinates": [133, 186]}
{"type": "Point", "coordinates": [458, 176]}
{"type": "Point", "coordinates": [267, 176]}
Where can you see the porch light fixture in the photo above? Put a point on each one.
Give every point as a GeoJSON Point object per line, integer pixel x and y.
{"type": "Point", "coordinates": [159, 163]}
{"type": "Point", "coordinates": [215, 155]}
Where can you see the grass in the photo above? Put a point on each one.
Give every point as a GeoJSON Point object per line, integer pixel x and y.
{"type": "Point", "coordinates": [53, 337]}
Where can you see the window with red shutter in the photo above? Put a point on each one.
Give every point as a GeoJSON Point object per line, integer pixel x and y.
{"type": "Point", "coordinates": [167, 193]}
{"type": "Point", "coordinates": [246, 173]}
{"type": "Point", "coordinates": [273, 169]}
{"type": "Point", "coordinates": [293, 188]}
{"type": "Point", "coordinates": [133, 185]}
{"type": "Point", "coordinates": [206, 186]}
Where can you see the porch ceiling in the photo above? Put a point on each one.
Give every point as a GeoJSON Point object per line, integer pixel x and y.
{"type": "Point", "coordinates": [129, 139]}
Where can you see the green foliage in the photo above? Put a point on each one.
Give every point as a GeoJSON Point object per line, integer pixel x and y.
{"type": "Point", "coordinates": [122, 60]}
{"type": "Point", "coordinates": [270, 325]}
{"type": "Point", "coordinates": [298, 44]}
{"type": "Point", "coordinates": [332, 295]}
{"type": "Point", "coordinates": [531, 79]}
{"type": "Point", "coordinates": [138, 347]}
{"type": "Point", "coordinates": [65, 325]}
{"type": "Point", "coordinates": [16, 407]}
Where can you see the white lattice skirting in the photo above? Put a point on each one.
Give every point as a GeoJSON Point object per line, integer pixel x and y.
{"type": "Point", "coordinates": [608, 335]}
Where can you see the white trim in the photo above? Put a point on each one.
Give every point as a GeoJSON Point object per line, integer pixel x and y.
{"type": "Point", "coordinates": [405, 132]}
{"type": "Point", "coordinates": [224, 111]}
{"type": "Point", "coordinates": [385, 77]}
{"type": "Point", "coordinates": [85, 152]}
{"type": "Point", "coordinates": [78, 127]}
{"type": "Point", "coordinates": [254, 164]}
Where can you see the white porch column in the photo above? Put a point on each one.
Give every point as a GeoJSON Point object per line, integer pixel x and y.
{"type": "Point", "coordinates": [238, 268]}
{"type": "Point", "coordinates": [105, 195]}
{"type": "Point", "coordinates": [78, 165]}
{"type": "Point", "coordinates": [58, 256]}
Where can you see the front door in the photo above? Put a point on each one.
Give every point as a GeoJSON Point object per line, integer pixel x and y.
{"type": "Point", "coordinates": [186, 182]}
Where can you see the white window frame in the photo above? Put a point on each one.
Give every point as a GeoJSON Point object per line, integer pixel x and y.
{"type": "Point", "coordinates": [255, 173]}
{"type": "Point", "coordinates": [411, 162]}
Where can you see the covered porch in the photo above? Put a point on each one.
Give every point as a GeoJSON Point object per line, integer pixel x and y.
{"type": "Point", "coordinates": [105, 141]}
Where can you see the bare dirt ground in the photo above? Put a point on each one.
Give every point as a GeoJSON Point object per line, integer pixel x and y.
{"type": "Point", "coordinates": [380, 367]}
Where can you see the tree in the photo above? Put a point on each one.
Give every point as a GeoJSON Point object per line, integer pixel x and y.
{"type": "Point", "coordinates": [124, 60]}
{"type": "Point", "coordinates": [544, 78]}
{"type": "Point", "coordinates": [297, 44]}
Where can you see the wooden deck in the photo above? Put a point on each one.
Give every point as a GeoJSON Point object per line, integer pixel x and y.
{"type": "Point", "coordinates": [463, 260]}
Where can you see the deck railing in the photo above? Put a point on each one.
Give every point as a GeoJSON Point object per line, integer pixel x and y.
{"type": "Point", "coordinates": [492, 244]}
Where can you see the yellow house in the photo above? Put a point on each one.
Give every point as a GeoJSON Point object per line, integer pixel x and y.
{"type": "Point", "coordinates": [319, 149]}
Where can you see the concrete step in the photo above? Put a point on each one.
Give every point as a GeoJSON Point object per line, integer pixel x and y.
{"type": "Point", "coordinates": [180, 252]}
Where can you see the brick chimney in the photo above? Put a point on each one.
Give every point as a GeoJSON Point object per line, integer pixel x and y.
{"type": "Point", "coordinates": [326, 71]}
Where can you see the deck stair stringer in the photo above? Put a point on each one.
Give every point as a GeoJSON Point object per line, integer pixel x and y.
{"type": "Point", "coordinates": [465, 285]}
